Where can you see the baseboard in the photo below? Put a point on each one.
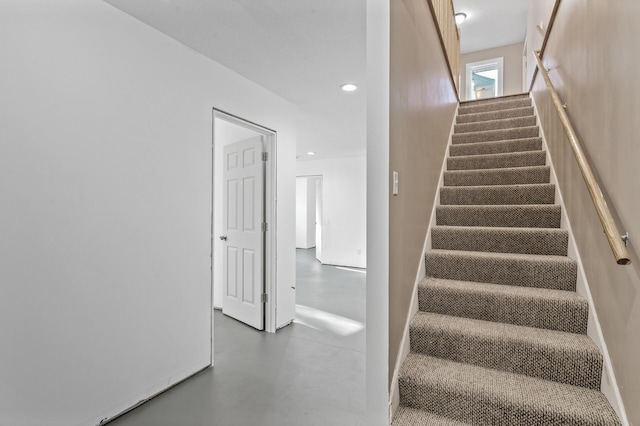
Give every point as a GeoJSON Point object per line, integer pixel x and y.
{"type": "Point", "coordinates": [144, 401]}
{"type": "Point", "coordinates": [609, 384]}
{"type": "Point", "coordinates": [405, 344]}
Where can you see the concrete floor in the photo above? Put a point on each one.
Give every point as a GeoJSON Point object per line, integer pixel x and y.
{"type": "Point", "coordinates": [308, 373]}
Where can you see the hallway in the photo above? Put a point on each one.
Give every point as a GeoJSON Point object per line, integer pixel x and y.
{"type": "Point", "coordinates": [308, 373]}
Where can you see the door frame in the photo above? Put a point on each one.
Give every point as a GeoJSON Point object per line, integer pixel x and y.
{"type": "Point", "coordinates": [499, 62]}
{"type": "Point", "coordinates": [318, 178]}
{"type": "Point", "coordinates": [270, 214]}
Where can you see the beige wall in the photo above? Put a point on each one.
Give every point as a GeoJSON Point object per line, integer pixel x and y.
{"type": "Point", "coordinates": [512, 55]}
{"type": "Point", "coordinates": [422, 106]}
{"type": "Point", "coordinates": [592, 54]}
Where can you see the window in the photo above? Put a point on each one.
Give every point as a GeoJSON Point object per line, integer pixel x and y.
{"type": "Point", "coordinates": [484, 79]}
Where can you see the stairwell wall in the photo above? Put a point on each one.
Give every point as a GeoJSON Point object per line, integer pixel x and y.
{"type": "Point", "coordinates": [591, 53]}
{"type": "Point", "coordinates": [422, 107]}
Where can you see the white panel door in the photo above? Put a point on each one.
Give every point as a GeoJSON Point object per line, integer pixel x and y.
{"type": "Point", "coordinates": [243, 213]}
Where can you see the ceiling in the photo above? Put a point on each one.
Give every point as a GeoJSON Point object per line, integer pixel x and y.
{"type": "Point", "coordinates": [491, 23]}
{"type": "Point", "coordinates": [303, 50]}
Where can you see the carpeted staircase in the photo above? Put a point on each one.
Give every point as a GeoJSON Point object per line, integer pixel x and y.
{"type": "Point", "coordinates": [500, 337]}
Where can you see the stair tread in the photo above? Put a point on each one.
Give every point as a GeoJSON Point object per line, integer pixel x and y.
{"type": "Point", "coordinates": [497, 155]}
{"type": "Point", "coordinates": [496, 124]}
{"type": "Point", "coordinates": [497, 99]}
{"type": "Point", "coordinates": [524, 292]}
{"type": "Point", "coordinates": [501, 239]}
{"type": "Point", "coordinates": [569, 345]}
{"type": "Point", "coordinates": [514, 186]}
{"type": "Point", "coordinates": [535, 193]}
{"type": "Point", "coordinates": [496, 147]}
{"type": "Point", "coordinates": [498, 176]}
{"type": "Point", "coordinates": [528, 306]}
{"type": "Point", "coordinates": [547, 215]}
{"type": "Point", "coordinates": [496, 135]}
{"type": "Point", "coordinates": [547, 354]}
{"type": "Point", "coordinates": [492, 115]}
{"type": "Point", "coordinates": [499, 169]}
{"type": "Point", "coordinates": [515, 256]}
{"type": "Point", "coordinates": [497, 161]}
{"type": "Point", "coordinates": [512, 396]}
{"type": "Point", "coordinates": [530, 270]}
{"type": "Point", "coordinates": [407, 416]}
{"type": "Point", "coordinates": [477, 107]}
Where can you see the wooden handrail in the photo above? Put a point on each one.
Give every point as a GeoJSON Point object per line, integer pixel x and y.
{"type": "Point", "coordinates": [616, 240]}
{"type": "Point", "coordinates": [547, 33]}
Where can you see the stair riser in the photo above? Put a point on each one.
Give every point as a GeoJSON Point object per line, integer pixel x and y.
{"type": "Point", "coordinates": [491, 195]}
{"type": "Point", "coordinates": [499, 99]}
{"type": "Point", "coordinates": [406, 416]}
{"type": "Point", "coordinates": [493, 106]}
{"type": "Point", "coordinates": [501, 147]}
{"type": "Point", "coordinates": [501, 240]}
{"type": "Point", "coordinates": [479, 409]}
{"type": "Point", "coordinates": [553, 274]}
{"type": "Point", "coordinates": [519, 356]}
{"type": "Point", "coordinates": [550, 314]}
{"type": "Point", "coordinates": [495, 115]}
{"type": "Point", "coordinates": [507, 176]}
{"type": "Point", "coordinates": [547, 216]}
{"type": "Point", "coordinates": [496, 135]}
{"type": "Point", "coordinates": [509, 123]}
{"type": "Point", "coordinates": [497, 161]}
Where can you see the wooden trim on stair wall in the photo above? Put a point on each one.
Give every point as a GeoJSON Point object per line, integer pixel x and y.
{"type": "Point", "coordinates": [449, 40]}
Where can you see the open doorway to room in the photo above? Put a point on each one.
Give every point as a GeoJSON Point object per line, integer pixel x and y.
{"type": "Point", "coordinates": [243, 230]}
{"type": "Point", "coordinates": [330, 241]}
{"type": "Point", "coordinates": [309, 214]}
{"type": "Point", "coordinates": [485, 79]}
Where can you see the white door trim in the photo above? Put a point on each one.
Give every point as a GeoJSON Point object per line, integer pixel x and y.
{"type": "Point", "coordinates": [270, 238]}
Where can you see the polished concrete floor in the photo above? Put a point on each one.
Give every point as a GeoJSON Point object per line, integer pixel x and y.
{"type": "Point", "coordinates": [308, 373]}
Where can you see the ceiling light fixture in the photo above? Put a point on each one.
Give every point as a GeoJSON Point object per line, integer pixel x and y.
{"type": "Point", "coordinates": [460, 17]}
{"type": "Point", "coordinates": [311, 153]}
{"type": "Point", "coordinates": [349, 87]}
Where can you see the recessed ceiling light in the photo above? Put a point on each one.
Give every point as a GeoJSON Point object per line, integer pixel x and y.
{"type": "Point", "coordinates": [311, 153]}
{"type": "Point", "coordinates": [348, 87]}
{"type": "Point", "coordinates": [460, 17]}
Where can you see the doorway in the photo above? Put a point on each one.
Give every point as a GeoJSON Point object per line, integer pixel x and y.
{"type": "Point", "coordinates": [309, 199]}
{"type": "Point", "coordinates": [243, 242]}
{"type": "Point", "coordinates": [484, 79]}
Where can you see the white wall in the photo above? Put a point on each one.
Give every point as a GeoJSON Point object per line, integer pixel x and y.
{"type": "Point", "coordinates": [378, 66]}
{"type": "Point", "coordinates": [344, 228]}
{"type": "Point", "coordinates": [305, 212]}
{"type": "Point", "coordinates": [105, 224]}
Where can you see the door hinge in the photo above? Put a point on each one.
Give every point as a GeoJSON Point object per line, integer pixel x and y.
{"type": "Point", "coordinates": [265, 298]}
{"type": "Point", "coordinates": [265, 156]}
{"type": "Point", "coordinates": [264, 227]}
